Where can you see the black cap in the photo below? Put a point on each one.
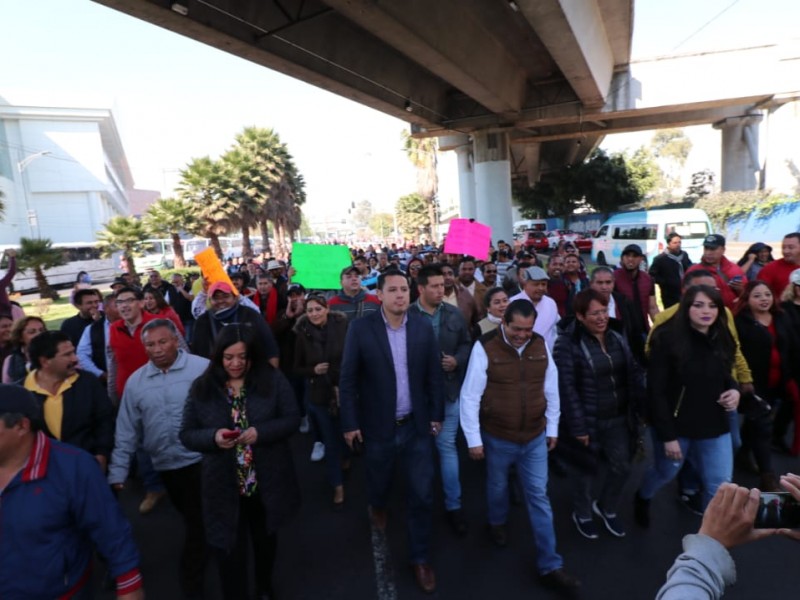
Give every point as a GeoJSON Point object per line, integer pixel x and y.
{"type": "Point", "coordinates": [350, 269]}
{"type": "Point", "coordinates": [713, 241]}
{"type": "Point", "coordinates": [296, 288]}
{"type": "Point", "coordinates": [16, 399]}
{"type": "Point", "coordinates": [633, 249]}
{"type": "Point", "coordinates": [118, 281]}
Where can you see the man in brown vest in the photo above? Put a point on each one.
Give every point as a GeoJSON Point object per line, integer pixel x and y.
{"type": "Point", "coordinates": [509, 415]}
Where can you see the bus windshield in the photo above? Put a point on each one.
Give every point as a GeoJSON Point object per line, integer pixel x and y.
{"type": "Point", "coordinates": [688, 230]}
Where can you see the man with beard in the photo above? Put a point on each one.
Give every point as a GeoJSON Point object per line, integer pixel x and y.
{"type": "Point", "coordinates": [458, 297]}
{"type": "Point", "coordinates": [467, 281]}
{"type": "Point", "coordinates": [75, 405]}
{"type": "Point", "coordinates": [489, 272]}
{"type": "Point", "coordinates": [668, 268]}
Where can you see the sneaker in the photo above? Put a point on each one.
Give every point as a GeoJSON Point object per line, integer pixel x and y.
{"type": "Point", "coordinates": [498, 535]}
{"type": "Point", "coordinates": [561, 581]}
{"type": "Point", "coordinates": [585, 527]}
{"type": "Point", "coordinates": [317, 452]}
{"type": "Point", "coordinates": [150, 501]}
{"type": "Point", "coordinates": [692, 502]}
{"type": "Point", "coordinates": [641, 511]}
{"type": "Point", "coordinates": [609, 520]}
{"type": "Point", "coordinates": [304, 425]}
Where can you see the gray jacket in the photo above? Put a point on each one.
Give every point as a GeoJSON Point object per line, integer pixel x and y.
{"type": "Point", "coordinates": [152, 411]}
{"type": "Point", "coordinates": [701, 573]}
{"type": "Point", "coordinates": [454, 340]}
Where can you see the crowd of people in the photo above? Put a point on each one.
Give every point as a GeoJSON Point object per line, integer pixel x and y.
{"type": "Point", "coordinates": [196, 387]}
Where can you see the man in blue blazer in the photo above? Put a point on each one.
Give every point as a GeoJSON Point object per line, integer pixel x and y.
{"type": "Point", "coordinates": [391, 396]}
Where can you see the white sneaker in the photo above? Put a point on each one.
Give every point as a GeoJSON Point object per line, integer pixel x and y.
{"type": "Point", "coordinates": [304, 426]}
{"type": "Point", "coordinates": [318, 452]}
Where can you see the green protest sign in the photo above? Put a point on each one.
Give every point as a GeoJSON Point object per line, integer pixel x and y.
{"type": "Point", "coordinates": [317, 266]}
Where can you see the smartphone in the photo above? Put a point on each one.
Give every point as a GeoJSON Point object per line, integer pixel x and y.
{"type": "Point", "coordinates": [736, 279]}
{"type": "Point", "coordinates": [231, 435]}
{"type": "Point", "coordinates": [777, 510]}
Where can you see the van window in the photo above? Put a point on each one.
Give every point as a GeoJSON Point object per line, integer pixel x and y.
{"type": "Point", "coordinates": [637, 231]}
{"type": "Point", "coordinates": [602, 232]}
{"type": "Point", "coordinates": [688, 230]}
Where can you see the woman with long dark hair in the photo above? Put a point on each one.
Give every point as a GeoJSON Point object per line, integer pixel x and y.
{"type": "Point", "coordinates": [318, 354]}
{"type": "Point", "coordinates": [765, 341]}
{"type": "Point", "coordinates": [240, 415]}
{"type": "Point", "coordinates": [754, 259]}
{"type": "Point", "coordinates": [690, 392]}
{"type": "Point", "coordinates": [17, 364]}
{"type": "Point", "coordinates": [155, 304]}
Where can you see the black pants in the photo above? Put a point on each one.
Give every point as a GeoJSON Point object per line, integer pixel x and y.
{"type": "Point", "coordinates": [183, 489]}
{"type": "Point", "coordinates": [233, 564]}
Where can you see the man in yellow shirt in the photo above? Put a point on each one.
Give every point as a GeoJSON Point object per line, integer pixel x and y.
{"type": "Point", "coordinates": [75, 405]}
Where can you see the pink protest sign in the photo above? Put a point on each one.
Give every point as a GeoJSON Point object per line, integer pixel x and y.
{"type": "Point", "coordinates": [467, 236]}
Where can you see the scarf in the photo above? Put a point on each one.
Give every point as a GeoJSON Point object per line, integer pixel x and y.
{"type": "Point", "coordinates": [268, 306]}
{"type": "Point", "coordinates": [493, 319]}
{"type": "Point", "coordinates": [678, 258]}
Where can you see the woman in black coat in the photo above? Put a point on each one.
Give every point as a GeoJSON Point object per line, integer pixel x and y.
{"type": "Point", "coordinates": [765, 342]}
{"type": "Point", "coordinates": [319, 347]}
{"type": "Point", "coordinates": [241, 418]}
{"type": "Point", "coordinates": [600, 386]}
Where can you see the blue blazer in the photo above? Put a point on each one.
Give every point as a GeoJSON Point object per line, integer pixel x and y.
{"type": "Point", "coordinates": [367, 383]}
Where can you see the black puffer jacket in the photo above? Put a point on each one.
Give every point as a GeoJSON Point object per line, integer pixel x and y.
{"type": "Point", "coordinates": [316, 345]}
{"type": "Point", "coordinates": [275, 418]}
{"type": "Point", "coordinates": [580, 371]}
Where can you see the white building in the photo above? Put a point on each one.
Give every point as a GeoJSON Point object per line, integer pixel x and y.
{"type": "Point", "coordinates": [63, 172]}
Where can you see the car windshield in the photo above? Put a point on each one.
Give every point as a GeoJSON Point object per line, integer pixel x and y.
{"type": "Point", "coordinates": [688, 230]}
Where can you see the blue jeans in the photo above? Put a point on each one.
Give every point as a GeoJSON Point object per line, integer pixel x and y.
{"type": "Point", "coordinates": [331, 433]}
{"type": "Point", "coordinates": [712, 457]}
{"type": "Point", "coordinates": [531, 462]}
{"type": "Point", "coordinates": [448, 456]}
{"type": "Point", "coordinates": [688, 479]}
{"type": "Point", "coordinates": [414, 450]}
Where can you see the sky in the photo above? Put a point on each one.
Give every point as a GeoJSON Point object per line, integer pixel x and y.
{"type": "Point", "coordinates": [175, 99]}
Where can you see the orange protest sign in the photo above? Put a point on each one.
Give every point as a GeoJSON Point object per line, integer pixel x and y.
{"type": "Point", "coordinates": [212, 268]}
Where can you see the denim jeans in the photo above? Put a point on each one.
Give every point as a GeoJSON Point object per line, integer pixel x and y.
{"type": "Point", "coordinates": [712, 457]}
{"type": "Point", "coordinates": [331, 433]}
{"type": "Point", "coordinates": [689, 480]}
{"type": "Point", "coordinates": [149, 476]}
{"type": "Point", "coordinates": [613, 438]}
{"type": "Point", "coordinates": [531, 462]}
{"type": "Point", "coordinates": [414, 451]}
{"type": "Point", "coordinates": [448, 456]}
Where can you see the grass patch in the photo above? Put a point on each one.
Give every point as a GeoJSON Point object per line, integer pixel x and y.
{"type": "Point", "coordinates": [52, 313]}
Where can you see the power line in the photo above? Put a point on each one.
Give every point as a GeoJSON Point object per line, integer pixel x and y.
{"type": "Point", "coordinates": [707, 23]}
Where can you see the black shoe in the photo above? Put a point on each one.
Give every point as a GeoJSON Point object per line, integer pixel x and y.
{"type": "Point", "coordinates": [693, 502]}
{"type": "Point", "coordinates": [498, 535]}
{"type": "Point", "coordinates": [641, 511]}
{"type": "Point", "coordinates": [560, 581]}
{"type": "Point", "coordinates": [744, 461]}
{"type": "Point", "coordinates": [457, 522]}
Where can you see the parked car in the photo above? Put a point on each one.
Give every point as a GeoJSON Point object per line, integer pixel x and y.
{"type": "Point", "coordinates": [557, 235]}
{"type": "Point", "coordinates": [584, 243]}
{"type": "Point", "coordinates": [536, 240]}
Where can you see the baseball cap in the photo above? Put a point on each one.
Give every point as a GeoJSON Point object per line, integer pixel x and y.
{"type": "Point", "coordinates": [714, 240]}
{"type": "Point", "coordinates": [296, 288]}
{"type": "Point", "coordinates": [633, 249]}
{"type": "Point", "coordinates": [794, 277]}
{"type": "Point", "coordinates": [274, 264]}
{"type": "Point", "coordinates": [350, 269]}
{"type": "Point", "coordinates": [16, 399]}
{"type": "Point", "coordinates": [220, 286]}
{"type": "Point", "coordinates": [535, 274]}
{"type": "Point", "coordinates": [118, 281]}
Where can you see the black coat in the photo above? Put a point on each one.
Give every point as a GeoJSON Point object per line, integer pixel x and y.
{"type": "Point", "coordinates": [314, 346]}
{"type": "Point", "coordinates": [206, 329]}
{"type": "Point", "coordinates": [756, 343]}
{"type": "Point", "coordinates": [668, 274]}
{"type": "Point", "coordinates": [275, 418]}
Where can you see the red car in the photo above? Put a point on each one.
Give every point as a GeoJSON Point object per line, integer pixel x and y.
{"type": "Point", "coordinates": [536, 240]}
{"type": "Point", "coordinates": [584, 243]}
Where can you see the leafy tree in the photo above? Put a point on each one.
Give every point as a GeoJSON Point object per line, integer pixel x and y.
{"type": "Point", "coordinates": [702, 185]}
{"type": "Point", "coordinates": [200, 187]}
{"type": "Point", "coordinates": [381, 224]}
{"type": "Point", "coordinates": [123, 234]}
{"type": "Point", "coordinates": [423, 154]}
{"type": "Point", "coordinates": [644, 171]}
{"type": "Point", "coordinates": [412, 215]}
{"type": "Point", "coordinates": [38, 254]}
{"type": "Point", "coordinates": [672, 148]}
{"type": "Point", "coordinates": [168, 217]}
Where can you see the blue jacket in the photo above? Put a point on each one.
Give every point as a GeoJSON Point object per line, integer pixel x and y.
{"type": "Point", "coordinates": [52, 516]}
{"type": "Point", "coordinates": [367, 384]}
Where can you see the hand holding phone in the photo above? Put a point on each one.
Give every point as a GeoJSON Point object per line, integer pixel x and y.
{"type": "Point", "coordinates": [231, 434]}
{"type": "Point", "coordinates": [777, 510]}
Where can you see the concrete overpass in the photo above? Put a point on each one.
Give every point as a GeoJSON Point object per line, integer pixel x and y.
{"type": "Point", "coordinates": [516, 87]}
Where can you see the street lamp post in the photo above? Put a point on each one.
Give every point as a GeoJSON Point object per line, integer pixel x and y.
{"type": "Point", "coordinates": [33, 220]}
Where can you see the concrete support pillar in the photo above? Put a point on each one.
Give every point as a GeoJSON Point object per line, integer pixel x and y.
{"type": "Point", "coordinates": [532, 154]}
{"type": "Point", "coordinates": [493, 183]}
{"type": "Point", "coordinates": [741, 168]}
{"type": "Point", "coordinates": [466, 176]}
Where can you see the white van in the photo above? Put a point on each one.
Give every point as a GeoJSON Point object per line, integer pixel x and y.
{"type": "Point", "coordinates": [649, 229]}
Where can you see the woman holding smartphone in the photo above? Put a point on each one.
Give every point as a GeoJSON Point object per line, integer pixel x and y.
{"type": "Point", "coordinates": [690, 392]}
{"type": "Point", "coordinates": [241, 418]}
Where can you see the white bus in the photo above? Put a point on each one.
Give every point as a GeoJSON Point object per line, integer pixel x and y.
{"type": "Point", "coordinates": [79, 256]}
{"type": "Point", "coordinates": [649, 230]}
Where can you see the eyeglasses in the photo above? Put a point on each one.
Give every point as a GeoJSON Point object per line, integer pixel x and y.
{"type": "Point", "coordinates": [126, 301]}
{"type": "Point", "coordinates": [490, 272]}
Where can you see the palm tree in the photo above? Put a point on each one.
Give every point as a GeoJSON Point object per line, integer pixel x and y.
{"type": "Point", "coordinates": [169, 217]}
{"type": "Point", "coordinates": [412, 215]}
{"type": "Point", "coordinates": [423, 155]}
{"type": "Point", "coordinates": [38, 254]}
{"type": "Point", "coordinates": [123, 234]}
{"type": "Point", "coordinates": [213, 211]}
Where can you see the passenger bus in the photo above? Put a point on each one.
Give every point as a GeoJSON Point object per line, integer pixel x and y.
{"type": "Point", "coordinates": [79, 256]}
{"type": "Point", "coordinates": [649, 230]}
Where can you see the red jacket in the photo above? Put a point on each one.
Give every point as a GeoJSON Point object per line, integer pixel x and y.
{"type": "Point", "coordinates": [727, 270]}
{"type": "Point", "coordinates": [776, 275]}
{"type": "Point", "coordinates": [624, 283]}
{"type": "Point", "coordinates": [129, 353]}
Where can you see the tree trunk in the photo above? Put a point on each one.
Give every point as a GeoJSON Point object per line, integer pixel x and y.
{"type": "Point", "coordinates": [262, 225]}
{"type": "Point", "coordinates": [214, 238]}
{"type": "Point", "coordinates": [130, 265]}
{"type": "Point", "coordinates": [179, 262]}
{"type": "Point", "coordinates": [432, 219]}
{"type": "Point", "coordinates": [247, 247]}
{"type": "Point", "coordinates": [280, 233]}
{"type": "Point", "coordinates": [45, 291]}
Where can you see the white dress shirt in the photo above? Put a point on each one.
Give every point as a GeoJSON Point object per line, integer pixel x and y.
{"type": "Point", "coordinates": [546, 317]}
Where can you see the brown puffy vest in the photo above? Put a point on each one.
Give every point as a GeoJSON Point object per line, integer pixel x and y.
{"type": "Point", "coordinates": [513, 403]}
